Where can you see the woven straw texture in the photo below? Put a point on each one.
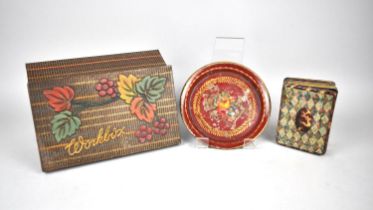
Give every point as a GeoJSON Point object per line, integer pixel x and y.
{"type": "Point", "coordinates": [75, 125]}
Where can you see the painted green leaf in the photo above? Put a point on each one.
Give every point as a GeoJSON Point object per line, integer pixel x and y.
{"type": "Point", "coordinates": [64, 124]}
{"type": "Point", "coordinates": [151, 87]}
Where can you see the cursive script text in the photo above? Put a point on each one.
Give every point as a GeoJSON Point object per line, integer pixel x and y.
{"type": "Point", "coordinates": [78, 144]}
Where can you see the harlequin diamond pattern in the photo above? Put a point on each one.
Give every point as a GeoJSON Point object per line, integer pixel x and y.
{"type": "Point", "coordinates": [320, 104]}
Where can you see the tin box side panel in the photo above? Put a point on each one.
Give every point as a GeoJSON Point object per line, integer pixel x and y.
{"type": "Point", "coordinates": [282, 111]}
{"type": "Point", "coordinates": [329, 107]}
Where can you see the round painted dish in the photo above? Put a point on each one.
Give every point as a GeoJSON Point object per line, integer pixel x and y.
{"type": "Point", "coordinates": [225, 105]}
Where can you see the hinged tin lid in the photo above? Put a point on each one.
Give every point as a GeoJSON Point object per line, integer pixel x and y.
{"type": "Point", "coordinates": [225, 105]}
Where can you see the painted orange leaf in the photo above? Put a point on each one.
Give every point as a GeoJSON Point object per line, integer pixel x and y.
{"type": "Point", "coordinates": [59, 98]}
{"type": "Point", "coordinates": [126, 87]}
{"type": "Point", "coordinates": [143, 110]}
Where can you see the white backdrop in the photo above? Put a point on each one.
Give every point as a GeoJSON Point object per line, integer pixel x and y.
{"type": "Point", "coordinates": [316, 39]}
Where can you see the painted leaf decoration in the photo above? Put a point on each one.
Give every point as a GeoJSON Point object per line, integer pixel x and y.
{"type": "Point", "coordinates": [143, 110]}
{"type": "Point", "coordinates": [151, 87]}
{"type": "Point", "coordinates": [126, 87]}
{"type": "Point", "coordinates": [64, 124]}
{"type": "Point", "coordinates": [59, 98]}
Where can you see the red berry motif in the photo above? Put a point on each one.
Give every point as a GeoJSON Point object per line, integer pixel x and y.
{"type": "Point", "coordinates": [146, 133]}
{"type": "Point", "coordinates": [143, 128]}
{"type": "Point", "coordinates": [156, 130]}
{"type": "Point", "coordinates": [163, 132]}
{"type": "Point", "coordinates": [102, 93]}
{"type": "Point", "coordinates": [149, 130]}
{"type": "Point", "coordinates": [161, 126]}
{"type": "Point", "coordinates": [110, 91]}
{"type": "Point", "coordinates": [106, 87]}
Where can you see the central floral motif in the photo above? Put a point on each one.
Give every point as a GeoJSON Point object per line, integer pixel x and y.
{"type": "Point", "coordinates": [225, 106]}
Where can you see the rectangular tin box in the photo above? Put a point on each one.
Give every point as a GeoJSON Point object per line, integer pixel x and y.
{"type": "Point", "coordinates": [96, 108]}
{"type": "Point", "coordinates": [306, 113]}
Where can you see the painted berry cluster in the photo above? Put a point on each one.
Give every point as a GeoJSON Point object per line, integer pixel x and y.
{"type": "Point", "coordinates": [146, 132]}
{"type": "Point", "coordinates": [106, 87]}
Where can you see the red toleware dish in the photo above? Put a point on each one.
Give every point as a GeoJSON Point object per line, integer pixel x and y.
{"type": "Point", "coordinates": [226, 105]}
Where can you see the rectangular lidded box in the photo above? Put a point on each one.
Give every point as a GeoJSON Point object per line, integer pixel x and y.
{"type": "Point", "coordinates": [96, 108]}
{"type": "Point", "coordinates": [306, 113]}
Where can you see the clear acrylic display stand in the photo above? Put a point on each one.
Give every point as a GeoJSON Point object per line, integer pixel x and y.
{"type": "Point", "coordinates": [226, 49]}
